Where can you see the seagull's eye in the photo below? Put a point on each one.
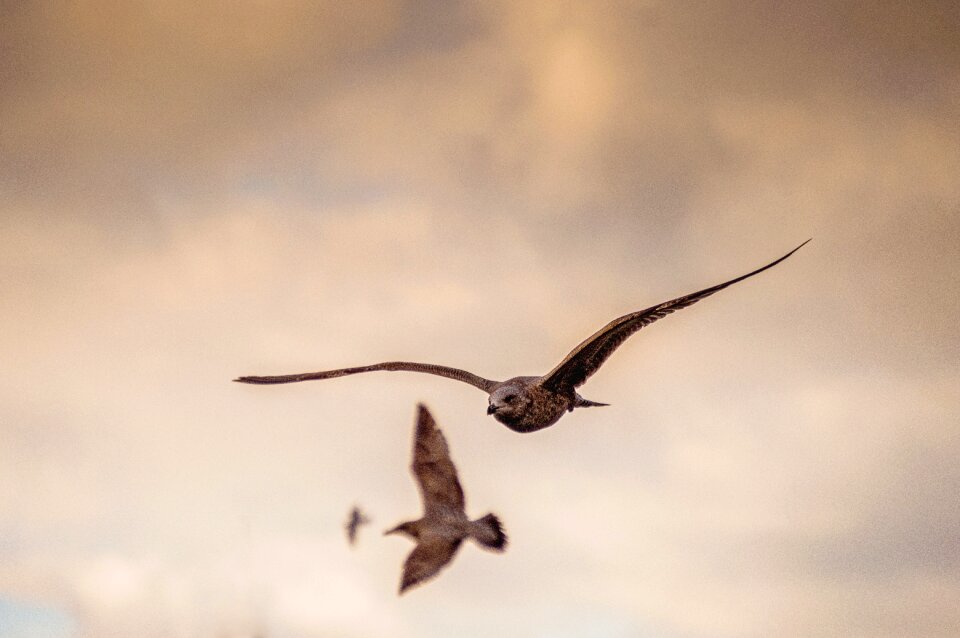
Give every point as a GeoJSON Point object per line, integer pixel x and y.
{"type": "Point", "coordinates": [509, 398]}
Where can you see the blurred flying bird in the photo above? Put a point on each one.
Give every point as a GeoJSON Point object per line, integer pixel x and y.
{"type": "Point", "coordinates": [444, 524]}
{"type": "Point", "coordinates": [527, 404]}
{"type": "Point", "coordinates": [355, 520]}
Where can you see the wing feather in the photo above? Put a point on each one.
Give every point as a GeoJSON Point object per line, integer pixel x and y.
{"type": "Point", "coordinates": [427, 558]}
{"type": "Point", "coordinates": [432, 467]}
{"type": "Point", "coordinates": [407, 366]}
{"type": "Point", "coordinates": [587, 357]}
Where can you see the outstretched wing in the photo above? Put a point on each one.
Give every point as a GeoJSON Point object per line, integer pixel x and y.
{"type": "Point", "coordinates": [587, 357]}
{"type": "Point", "coordinates": [408, 366]}
{"type": "Point", "coordinates": [426, 559]}
{"type": "Point", "coordinates": [432, 467]}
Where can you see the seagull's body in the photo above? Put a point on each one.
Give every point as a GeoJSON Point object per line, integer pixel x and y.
{"type": "Point", "coordinates": [530, 403]}
{"type": "Point", "coordinates": [354, 521]}
{"type": "Point", "coordinates": [444, 524]}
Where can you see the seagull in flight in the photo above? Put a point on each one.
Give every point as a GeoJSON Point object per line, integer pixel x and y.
{"type": "Point", "coordinates": [531, 403]}
{"type": "Point", "coordinates": [444, 524]}
{"type": "Point", "coordinates": [354, 521]}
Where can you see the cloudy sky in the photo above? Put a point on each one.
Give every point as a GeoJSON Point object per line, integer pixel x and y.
{"type": "Point", "coordinates": [194, 191]}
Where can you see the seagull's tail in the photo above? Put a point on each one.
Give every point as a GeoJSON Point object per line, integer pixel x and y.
{"type": "Point", "coordinates": [489, 532]}
{"type": "Point", "coordinates": [585, 403]}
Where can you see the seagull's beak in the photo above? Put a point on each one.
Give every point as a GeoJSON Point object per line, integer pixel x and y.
{"type": "Point", "coordinates": [491, 409]}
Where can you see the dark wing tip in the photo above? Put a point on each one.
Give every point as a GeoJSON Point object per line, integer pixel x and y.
{"type": "Point", "coordinates": [426, 424]}
{"type": "Point", "coordinates": [760, 270]}
{"type": "Point", "coordinates": [407, 583]}
{"type": "Point", "coordinates": [412, 579]}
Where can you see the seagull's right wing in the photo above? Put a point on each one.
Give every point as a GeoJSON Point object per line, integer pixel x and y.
{"type": "Point", "coordinates": [587, 357]}
{"type": "Point", "coordinates": [432, 467]}
{"type": "Point", "coordinates": [426, 559]}
{"type": "Point", "coordinates": [408, 366]}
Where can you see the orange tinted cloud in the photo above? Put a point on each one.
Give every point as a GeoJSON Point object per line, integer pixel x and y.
{"type": "Point", "coordinates": [196, 192]}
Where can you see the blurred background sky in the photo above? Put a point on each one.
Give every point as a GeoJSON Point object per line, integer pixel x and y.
{"type": "Point", "coordinates": [191, 191]}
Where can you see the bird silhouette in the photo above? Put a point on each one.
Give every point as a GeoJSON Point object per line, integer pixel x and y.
{"type": "Point", "coordinates": [530, 403]}
{"type": "Point", "coordinates": [444, 524]}
{"type": "Point", "coordinates": [354, 521]}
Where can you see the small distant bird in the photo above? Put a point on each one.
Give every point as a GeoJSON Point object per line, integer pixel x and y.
{"type": "Point", "coordinates": [527, 404]}
{"type": "Point", "coordinates": [444, 524]}
{"type": "Point", "coordinates": [353, 523]}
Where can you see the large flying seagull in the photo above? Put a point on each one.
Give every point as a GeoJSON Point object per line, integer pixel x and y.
{"type": "Point", "coordinates": [527, 404]}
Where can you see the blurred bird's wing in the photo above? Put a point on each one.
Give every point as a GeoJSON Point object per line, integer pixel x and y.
{"type": "Point", "coordinates": [432, 467]}
{"type": "Point", "coordinates": [426, 559]}
{"type": "Point", "coordinates": [587, 357]}
{"type": "Point", "coordinates": [407, 366]}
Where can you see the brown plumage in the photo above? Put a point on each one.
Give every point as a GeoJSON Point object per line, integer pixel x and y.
{"type": "Point", "coordinates": [527, 404]}
{"type": "Point", "coordinates": [444, 524]}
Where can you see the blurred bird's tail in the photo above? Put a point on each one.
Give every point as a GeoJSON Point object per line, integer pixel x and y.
{"type": "Point", "coordinates": [489, 532]}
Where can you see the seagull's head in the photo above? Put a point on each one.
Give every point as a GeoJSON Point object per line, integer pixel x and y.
{"type": "Point", "coordinates": [508, 402]}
